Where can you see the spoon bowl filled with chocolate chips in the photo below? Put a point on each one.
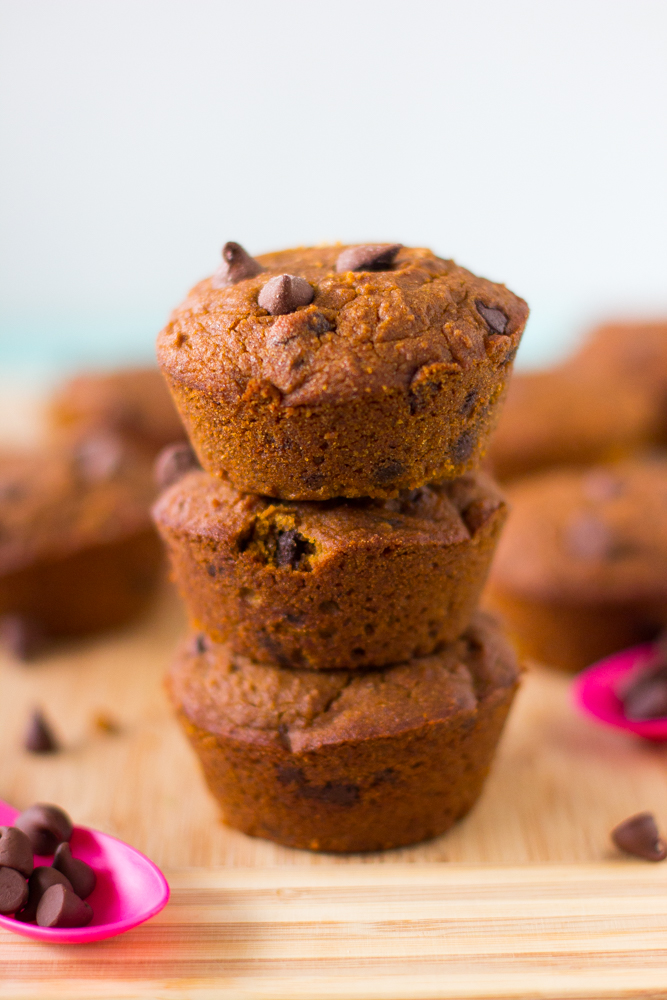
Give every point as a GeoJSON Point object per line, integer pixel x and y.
{"type": "Point", "coordinates": [71, 885]}
{"type": "Point", "coordinates": [628, 690]}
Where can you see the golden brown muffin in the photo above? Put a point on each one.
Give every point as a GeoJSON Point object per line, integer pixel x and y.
{"type": "Point", "coordinates": [580, 569]}
{"type": "Point", "coordinates": [340, 761]}
{"type": "Point", "coordinates": [134, 403]}
{"type": "Point", "coordinates": [77, 548]}
{"type": "Point", "coordinates": [564, 416]}
{"type": "Point", "coordinates": [339, 584]}
{"type": "Point", "coordinates": [633, 353]}
{"type": "Point", "coordinates": [311, 380]}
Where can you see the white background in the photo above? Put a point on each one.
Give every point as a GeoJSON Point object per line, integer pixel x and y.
{"type": "Point", "coordinates": [528, 140]}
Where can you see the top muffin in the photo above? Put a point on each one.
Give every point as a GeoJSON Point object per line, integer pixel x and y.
{"type": "Point", "coordinates": [340, 371]}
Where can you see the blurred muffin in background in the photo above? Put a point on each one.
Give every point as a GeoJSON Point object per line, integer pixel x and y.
{"type": "Point", "coordinates": [580, 568]}
{"type": "Point", "coordinates": [78, 552]}
{"type": "Point", "coordinates": [564, 416]}
{"type": "Point", "coordinates": [133, 402]}
{"type": "Point", "coordinates": [631, 353]}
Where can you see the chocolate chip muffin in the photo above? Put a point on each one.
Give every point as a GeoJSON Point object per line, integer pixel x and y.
{"type": "Point", "coordinates": [77, 548]}
{"type": "Point", "coordinates": [134, 403]}
{"type": "Point", "coordinates": [340, 371]}
{"type": "Point", "coordinates": [580, 568]}
{"type": "Point", "coordinates": [339, 584]}
{"type": "Point", "coordinates": [341, 761]}
{"type": "Point", "coordinates": [564, 416]}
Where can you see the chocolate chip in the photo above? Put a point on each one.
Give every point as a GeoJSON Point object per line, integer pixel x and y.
{"type": "Point", "coordinates": [639, 835]}
{"type": "Point", "coordinates": [285, 293]}
{"type": "Point", "coordinates": [39, 737]}
{"type": "Point", "coordinates": [468, 403]}
{"type": "Point", "coordinates": [41, 879]}
{"type": "Point", "coordinates": [237, 265]}
{"type": "Point", "coordinates": [646, 700]}
{"type": "Point", "coordinates": [99, 458]}
{"type": "Point", "coordinates": [369, 257]}
{"type": "Point", "coordinates": [15, 850]}
{"type": "Point", "coordinates": [600, 484]}
{"type": "Point", "coordinates": [22, 637]}
{"type": "Point", "coordinates": [587, 537]}
{"type": "Point", "coordinates": [291, 548]}
{"type": "Point", "coordinates": [174, 462]}
{"type": "Point", "coordinates": [46, 826]}
{"type": "Point", "coordinates": [495, 318]}
{"type": "Point", "coordinates": [210, 569]}
{"type": "Point", "coordinates": [463, 448]}
{"type": "Point", "coordinates": [13, 891]}
{"type": "Point", "coordinates": [80, 874]}
{"type": "Point", "coordinates": [60, 907]}
{"type": "Point", "coordinates": [201, 644]}
{"type": "Point", "coordinates": [339, 795]}
{"type": "Point", "coordinates": [387, 472]}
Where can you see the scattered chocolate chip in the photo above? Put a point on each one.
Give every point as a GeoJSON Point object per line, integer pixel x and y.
{"type": "Point", "coordinates": [39, 737]}
{"type": "Point", "coordinates": [210, 569]}
{"type": "Point", "coordinates": [639, 835]}
{"type": "Point", "coordinates": [80, 874]}
{"type": "Point", "coordinates": [46, 826]}
{"type": "Point", "coordinates": [587, 537]}
{"type": "Point", "coordinates": [292, 548]}
{"type": "Point", "coordinates": [387, 472]}
{"type": "Point", "coordinates": [369, 257]}
{"type": "Point", "coordinates": [285, 293]}
{"type": "Point", "coordinates": [41, 879]}
{"type": "Point", "coordinates": [173, 463]}
{"type": "Point", "coordinates": [60, 907]}
{"type": "Point", "coordinates": [468, 403]}
{"type": "Point", "coordinates": [201, 644]}
{"type": "Point", "coordinates": [13, 890]}
{"type": "Point", "coordinates": [99, 458]}
{"type": "Point", "coordinates": [237, 265]}
{"type": "Point", "coordinates": [15, 850]}
{"type": "Point", "coordinates": [495, 319]}
{"type": "Point", "coordinates": [21, 636]}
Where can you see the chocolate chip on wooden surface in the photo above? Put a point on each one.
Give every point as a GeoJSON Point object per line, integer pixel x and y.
{"type": "Point", "coordinates": [46, 826]}
{"type": "Point", "coordinates": [495, 319]}
{"type": "Point", "coordinates": [15, 850]}
{"type": "Point", "coordinates": [80, 874]}
{"type": "Point", "coordinates": [39, 737]}
{"type": "Point", "coordinates": [13, 890]}
{"type": "Point", "coordinates": [237, 265]}
{"type": "Point", "coordinates": [285, 293]}
{"type": "Point", "coordinates": [173, 463]}
{"type": "Point", "coordinates": [21, 636]}
{"type": "Point", "coordinates": [41, 879]}
{"type": "Point", "coordinates": [60, 907]}
{"type": "Point", "coordinates": [368, 257]}
{"type": "Point", "coordinates": [639, 836]}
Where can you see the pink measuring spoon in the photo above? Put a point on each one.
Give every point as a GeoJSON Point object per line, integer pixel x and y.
{"type": "Point", "coordinates": [130, 889]}
{"type": "Point", "coordinates": [594, 692]}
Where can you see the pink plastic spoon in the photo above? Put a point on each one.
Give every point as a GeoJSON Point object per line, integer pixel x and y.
{"type": "Point", "coordinates": [130, 889]}
{"type": "Point", "coordinates": [594, 692]}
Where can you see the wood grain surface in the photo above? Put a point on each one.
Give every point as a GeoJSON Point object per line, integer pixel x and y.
{"type": "Point", "coordinates": [534, 900]}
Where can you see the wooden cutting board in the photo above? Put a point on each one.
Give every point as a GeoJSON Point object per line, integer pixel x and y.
{"type": "Point", "coordinates": [525, 898]}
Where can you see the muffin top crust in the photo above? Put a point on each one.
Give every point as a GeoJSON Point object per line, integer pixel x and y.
{"type": "Point", "coordinates": [598, 534]}
{"type": "Point", "coordinates": [230, 696]}
{"type": "Point", "coordinates": [363, 332]}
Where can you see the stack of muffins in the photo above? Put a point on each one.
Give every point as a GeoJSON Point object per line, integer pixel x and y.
{"type": "Point", "coordinates": [340, 687]}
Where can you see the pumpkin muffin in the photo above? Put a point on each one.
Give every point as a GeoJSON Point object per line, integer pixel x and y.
{"type": "Point", "coordinates": [77, 548]}
{"type": "Point", "coordinates": [632, 352]}
{"type": "Point", "coordinates": [340, 761]}
{"type": "Point", "coordinates": [580, 569]}
{"type": "Point", "coordinates": [134, 403]}
{"type": "Point", "coordinates": [564, 416]}
{"type": "Point", "coordinates": [339, 584]}
{"type": "Point", "coordinates": [340, 371]}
